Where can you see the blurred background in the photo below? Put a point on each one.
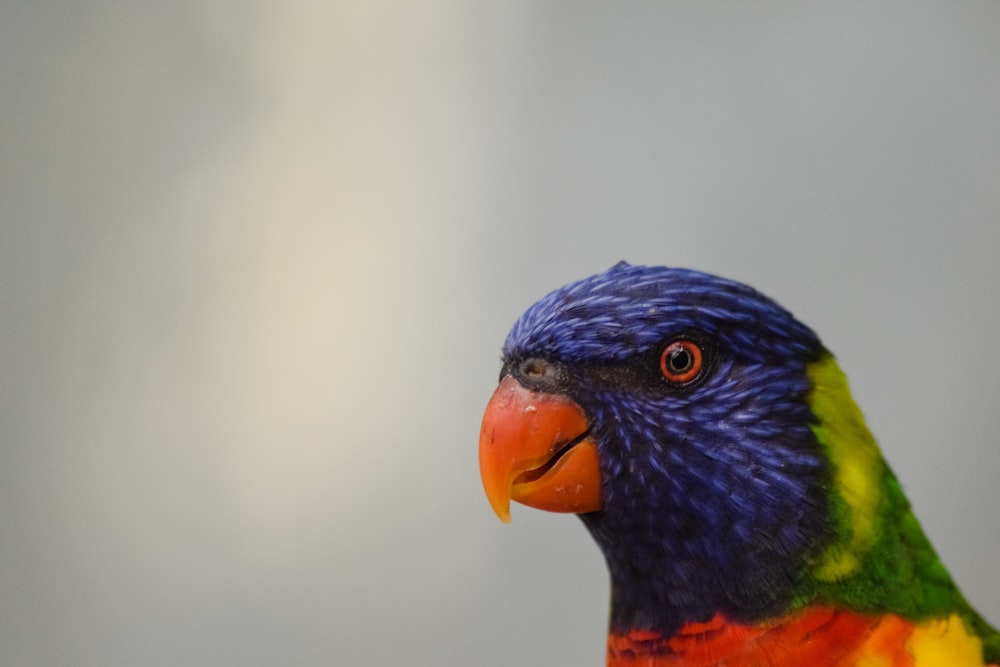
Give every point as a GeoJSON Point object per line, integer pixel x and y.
{"type": "Point", "coordinates": [257, 261]}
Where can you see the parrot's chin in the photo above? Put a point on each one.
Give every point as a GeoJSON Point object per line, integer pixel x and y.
{"type": "Point", "coordinates": [535, 448]}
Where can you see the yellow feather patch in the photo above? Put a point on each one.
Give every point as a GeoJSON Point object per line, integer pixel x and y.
{"type": "Point", "coordinates": [945, 643]}
{"type": "Point", "coordinates": [857, 464]}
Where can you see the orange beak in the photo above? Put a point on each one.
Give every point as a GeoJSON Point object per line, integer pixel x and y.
{"type": "Point", "coordinates": [534, 448]}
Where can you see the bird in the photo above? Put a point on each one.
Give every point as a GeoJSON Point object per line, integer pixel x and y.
{"type": "Point", "coordinates": [709, 443]}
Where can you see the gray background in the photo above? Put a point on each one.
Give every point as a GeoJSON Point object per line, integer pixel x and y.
{"type": "Point", "coordinates": [257, 262]}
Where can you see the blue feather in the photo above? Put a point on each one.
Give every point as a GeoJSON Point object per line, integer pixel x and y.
{"type": "Point", "coordinates": [714, 486]}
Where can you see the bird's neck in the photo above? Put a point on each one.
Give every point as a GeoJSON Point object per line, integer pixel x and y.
{"type": "Point", "coordinates": [841, 533]}
{"type": "Point", "coordinates": [667, 578]}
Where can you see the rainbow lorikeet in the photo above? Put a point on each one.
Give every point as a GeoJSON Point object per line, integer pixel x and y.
{"type": "Point", "coordinates": [711, 446]}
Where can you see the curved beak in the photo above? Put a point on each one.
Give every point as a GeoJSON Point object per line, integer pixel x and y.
{"type": "Point", "coordinates": [535, 448]}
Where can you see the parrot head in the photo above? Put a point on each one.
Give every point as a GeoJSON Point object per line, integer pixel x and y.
{"type": "Point", "coordinates": [710, 444]}
{"type": "Point", "coordinates": [669, 409]}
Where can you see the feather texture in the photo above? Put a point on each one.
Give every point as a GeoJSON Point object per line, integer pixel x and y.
{"type": "Point", "coordinates": [747, 517]}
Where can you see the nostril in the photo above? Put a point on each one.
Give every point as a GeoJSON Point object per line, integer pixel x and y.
{"type": "Point", "coordinates": [534, 368]}
{"type": "Point", "coordinates": [539, 374]}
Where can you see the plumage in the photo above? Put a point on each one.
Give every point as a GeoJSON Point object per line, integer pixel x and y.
{"type": "Point", "coordinates": [710, 444]}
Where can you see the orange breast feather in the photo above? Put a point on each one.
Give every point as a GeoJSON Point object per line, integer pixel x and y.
{"type": "Point", "coordinates": [817, 637]}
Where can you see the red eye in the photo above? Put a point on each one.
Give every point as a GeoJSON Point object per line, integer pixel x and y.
{"type": "Point", "coordinates": [681, 361]}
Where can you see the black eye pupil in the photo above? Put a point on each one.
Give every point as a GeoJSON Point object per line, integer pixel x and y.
{"type": "Point", "coordinates": [679, 361]}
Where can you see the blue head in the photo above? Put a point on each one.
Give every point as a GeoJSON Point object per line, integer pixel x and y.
{"type": "Point", "coordinates": [713, 488]}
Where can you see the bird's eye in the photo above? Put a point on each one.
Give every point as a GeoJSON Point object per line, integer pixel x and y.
{"type": "Point", "coordinates": [681, 361]}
